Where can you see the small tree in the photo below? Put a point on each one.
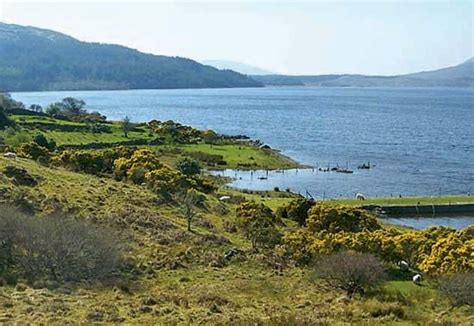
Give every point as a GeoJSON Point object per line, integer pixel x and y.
{"type": "Point", "coordinates": [41, 140]}
{"type": "Point", "coordinates": [188, 203]}
{"type": "Point", "coordinates": [350, 271]}
{"type": "Point", "coordinates": [258, 224]}
{"type": "Point", "coordinates": [458, 288]}
{"type": "Point", "coordinates": [4, 120]}
{"type": "Point", "coordinates": [36, 108]}
{"type": "Point", "coordinates": [298, 209]}
{"type": "Point", "coordinates": [126, 125]}
{"type": "Point", "coordinates": [188, 166]}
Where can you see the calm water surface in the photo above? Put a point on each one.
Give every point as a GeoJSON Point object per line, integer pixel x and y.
{"type": "Point", "coordinates": [421, 222]}
{"type": "Point", "coordinates": [421, 140]}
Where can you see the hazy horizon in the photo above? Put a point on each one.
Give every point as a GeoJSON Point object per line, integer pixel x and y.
{"type": "Point", "coordinates": [383, 38]}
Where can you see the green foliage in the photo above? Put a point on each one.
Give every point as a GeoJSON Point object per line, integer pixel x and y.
{"type": "Point", "coordinates": [435, 251]}
{"type": "Point", "coordinates": [174, 132]}
{"type": "Point", "coordinates": [4, 120]}
{"type": "Point", "coordinates": [166, 181]}
{"type": "Point", "coordinates": [141, 162]}
{"type": "Point", "coordinates": [188, 166]}
{"type": "Point", "coordinates": [14, 138]}
{"type": "Point", "coordinates": [258, 223]}
{"type": "Point", "coordinates": [297, 210]}
{"type": "Point", "coordinates": [34, 151]}
{"type": "Point", "coordinates": [41, 140]}
{"type": "Point", "coordinates": [206, 158]}
{"type": "Point", "coordinates": [93, 161]}
{"type": "Point", "coordinates": [334, 218]}
{"type": "Point", "coordinates": [39, 60]}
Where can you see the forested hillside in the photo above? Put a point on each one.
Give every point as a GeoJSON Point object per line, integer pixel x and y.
{"type": "Point", "coordinates": [33, 59]}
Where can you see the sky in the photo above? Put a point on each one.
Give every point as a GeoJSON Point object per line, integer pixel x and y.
{"type": "Point", "coordinates": [298, 37]}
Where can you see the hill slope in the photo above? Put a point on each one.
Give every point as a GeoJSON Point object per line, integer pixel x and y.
{"type": "Point", "coordinates": [33, 59]}
{"type": "Point", "coordinates": [461, 75]}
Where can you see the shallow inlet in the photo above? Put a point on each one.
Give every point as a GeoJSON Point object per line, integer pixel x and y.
{"type": "Point", "coordinates": [420, 222]}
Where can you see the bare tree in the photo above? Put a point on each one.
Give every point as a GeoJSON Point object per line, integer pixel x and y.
{"type": "Point", "coordinates": [126, 126]}
{"type": "Point", "coordinates": [458, 288]}
{"type": "Point", "coordinates": [350, 271]}
{"type": "Point", "coordinates": [57, 248]}
{"type": "Point", "coordinates": [188, 203]}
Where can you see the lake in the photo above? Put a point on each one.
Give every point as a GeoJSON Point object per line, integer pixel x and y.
{"type": "Point", "coordinates": [420, 140]}
{"type": "Point", "coordinates": [421, 222]}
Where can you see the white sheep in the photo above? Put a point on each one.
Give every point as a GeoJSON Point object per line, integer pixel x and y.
{"type": "Point", "coordinates": [224, 198]}
{"type": "Point", "coordinates": [417, 279]}
{"type": "Point", "coordinates": [403, 265]}
{"type": "Point", "coordinates": [360, 196]}
{"type": "Point", "coordinates": [10, 155]}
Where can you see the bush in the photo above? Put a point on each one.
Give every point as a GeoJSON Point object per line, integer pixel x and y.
{"type": "Point", "coordinates": [258, 224]}
{"type": "Point", "coordinates": [15, 138]}
{"type": "Point", "coordinates": [350, 271]}
{"type": "Point", "coordinates": [298, 209]}
{"type": "Point", "coordinates": [53, 248]}
{"type": "Point", "coordinates": [458, 288]}
{"type": "Point", "coordinates": [4, 120]}
{"type": "Point", "coordinates": [42, 141]}
{"type": "Point", "coordinates": [188, 166]}
{"type": "Point", "coordinates": [34, 151]}
{"type": "Point", "coordinates": [337, 218]}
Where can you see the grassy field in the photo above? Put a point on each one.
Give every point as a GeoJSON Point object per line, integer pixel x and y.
{"type": "Point", "coordinates": [177, 280]}
{"type": "Point", "coordinates": [429, 200]}
{"type": "Point", "coordinates": [237, 156]}
{"type": "Point", "coordinates": [277, 199]}
{"type": "Point", "coordinates": [244, 156]}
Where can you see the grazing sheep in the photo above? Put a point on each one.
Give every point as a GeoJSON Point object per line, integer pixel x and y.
{"type": "Point", "coordinates": [417, 279]}
{"type": "Point", "coordinates": [404, 266]}
{"type": "Point", "coordinates": [10, 155]}
{"type": "Point", "coordinates": [360, 196]}
{"type": "Point", "coordinates": [224, 198]}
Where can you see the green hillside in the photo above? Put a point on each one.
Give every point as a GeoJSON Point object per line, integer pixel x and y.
{"type": "Point", "coordinates": [34, 59]}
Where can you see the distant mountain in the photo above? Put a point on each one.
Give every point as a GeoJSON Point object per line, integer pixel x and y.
{"type": "Point", "coordinates": [237, 66]}
{"type": "Point", "coordinates": [461, 75]}
{"type": "Point", "coordinates": [34, 59]}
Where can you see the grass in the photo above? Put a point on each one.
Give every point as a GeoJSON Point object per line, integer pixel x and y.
{"type": "Point", "coordinates": [180, 277]}
{"type": "Point", "coordinates": [237, 156]}
{"type": "Point", "coordinates": [428, 200]}
{"type": "Point", "coordinates": [242, 291]}
{"type": "Point", "coordinates": [244, 156]}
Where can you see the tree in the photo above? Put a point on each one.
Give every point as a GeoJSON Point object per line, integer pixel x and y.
{"type": "Point", "coordinates": [298, 209]}
{"type": "Point", "coordinates": [4, 120]}
{"type": "Point", "coordinates": [350, 271]}
{"type": "Point", "coordinates": [258, 224]}
{"type": "Point", "coordinates": [188, 166]}
{"type": "Point", "coordinates": [36, 108]}
{"type": "Point", "coordinates": [73, 107]}
{"type": "Point", "coordinates": [53, 110]}
{"type": "Point", "coordinates": [41, 140]}
{"type": "Point", "coordinates": [188, 203]}
{"type": "Point", "coordinates": [126, 126]}
{"type": "Point", "coordinates": [209, 136]}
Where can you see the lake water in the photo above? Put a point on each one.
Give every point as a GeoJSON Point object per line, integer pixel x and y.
{"type": "Point", "coordinates": [421, 222]}
{"type": "Point", "coordinates": [420, 140]}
